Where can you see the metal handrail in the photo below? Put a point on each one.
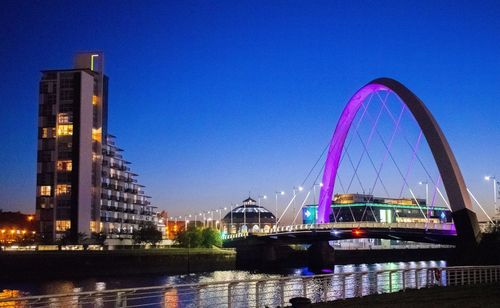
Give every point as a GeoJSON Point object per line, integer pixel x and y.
{"type": "Point", "coordinates": [253, 291]}
{"type": "Point", "coordinates": [349, 225]}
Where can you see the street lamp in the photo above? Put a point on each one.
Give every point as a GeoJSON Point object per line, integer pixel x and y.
{"type": "Point", "coordinates": [231, 212]}
{"type": "Point", "coordinates": [221, 226]}
{"type": "Point", "coordinates": [495, 192]}
{"type": "Point", "coordinates": [276, 195]}
{"type": "Point", "coordinates": [299, 188]}
{"type": "Point", "coordinates": [426, 191]}
{"type": "Point", "coordinates": [314, 190]}
{"type": "Point", "coordinates": [260, 208]}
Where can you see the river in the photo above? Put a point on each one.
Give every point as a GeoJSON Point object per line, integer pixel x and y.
{"type": "Point", "coordinates": [41, 287]}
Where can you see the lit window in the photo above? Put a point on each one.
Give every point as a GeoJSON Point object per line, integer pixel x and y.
{"type": "Point", "coordinates": [64, 165]}
{"type": "Point", "coordinates": [94, 100]}
{"type": "Point", "coordinates": [48, 132]}
{"type": "Point", "coordinates": [64, 118]}
{"type": "Point", "coordinates": [63, 225]}
{"type": "Point", "coordinates": [96, 134]}
{"type": "Point", "coordinates": [65, 130]}
{"type": "Point", "coordinates": [93, 226]}
{"type": "Point", "coordinates": [45, 191]}
{"type": "Point", "coordinates": [63, 189]}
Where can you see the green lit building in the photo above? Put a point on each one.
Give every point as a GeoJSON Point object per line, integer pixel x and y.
{"type": "Point", "coordinates": [361, 207]}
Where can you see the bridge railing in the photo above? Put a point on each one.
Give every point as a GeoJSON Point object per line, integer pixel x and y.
{"type": "Point", "coordinates": [350, 225]}
{"type": "Point", "coordinates": [270, 292]}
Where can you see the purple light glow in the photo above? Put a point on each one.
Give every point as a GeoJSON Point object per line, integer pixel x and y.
{"type": "Point", "coordinates": [336, 146]}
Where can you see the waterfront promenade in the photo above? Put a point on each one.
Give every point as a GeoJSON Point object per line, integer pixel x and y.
{"type": "Point", "coordinates": [483, 295]}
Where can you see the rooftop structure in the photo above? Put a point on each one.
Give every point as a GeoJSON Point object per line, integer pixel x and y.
{"type": "Point", "coordinates": [248, 217]}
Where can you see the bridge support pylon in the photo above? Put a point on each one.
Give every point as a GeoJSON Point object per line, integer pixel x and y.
{"type": "Point", "coordinates": [321, 255]}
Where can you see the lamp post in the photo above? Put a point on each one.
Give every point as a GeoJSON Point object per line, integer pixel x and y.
{"type": "Point", "coordinates": [276, 199]}
{"type": "Point", "coordinates": [225, 209]}
{"type": "Point", "coordinates": [231, 213]}
{"type": "Point", "coordinates": [299, 188]}
{"type": "Point", "coordinates": [314, 191]}
{"type": "Point", "coordinates": [168, 230]}
{"type": "Point", "coordinates": [495, 192]}
{"type": "Point", "coordinates": [175, 224]}
{"type": "Point", "coordinates": [426, 191]}
{"type": "Point", "coordinates": [263, 197]}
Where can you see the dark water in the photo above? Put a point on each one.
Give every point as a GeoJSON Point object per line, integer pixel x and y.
{"type": "Point", "coordinates": [68, 285]}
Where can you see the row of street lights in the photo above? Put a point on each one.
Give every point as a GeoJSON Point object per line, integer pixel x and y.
{"type": "Point", "coordinates": [207, 221]}
{"type": "Point", "coordinates": [487, 178]}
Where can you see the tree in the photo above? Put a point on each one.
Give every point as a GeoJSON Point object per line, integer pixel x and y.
{"type": "Point", "coordinates": [99, 238]}
{"type": "Point", "coordinates": [192, 237]}
{"type": "Point", "coordinates": [147, 233]}
{"type": "Point", "coordinates": [211, 237]}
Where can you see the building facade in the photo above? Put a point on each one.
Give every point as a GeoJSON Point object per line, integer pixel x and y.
{"type": "Point", "coordinates": [361, 207]}
{"type": "Point", "coordinates": [83, 183]}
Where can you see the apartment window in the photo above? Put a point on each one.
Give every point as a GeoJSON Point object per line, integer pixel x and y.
{"type": "Point", "coordinates": [63, 225]}
{"type": "Point", "coordinates": [67, 83]}
{"type": "Point", "coordinates": [64, 165]}
{"type": "Point", "coordinates": [66, 95]}
{"type": "Point", "coordinates": [45, 191]}
{"type": "Point", "coordinates": [63, 189]}
{"type": "Point", "coordinates": [96, 134]}
{"type": "Point", "coordinates": [64, 118]}
{"type": "Point", "coordinates": [48, 132]}
{"type": "Point", "coordinates": [65, 130]}
{"type": "Point", "coordinates": [93, 226]}
{"type": "Point", "coordinates": [65, 107]}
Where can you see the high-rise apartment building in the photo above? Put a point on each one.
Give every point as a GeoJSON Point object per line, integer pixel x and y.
{"type": "Point", "coordinates": [83, 183]}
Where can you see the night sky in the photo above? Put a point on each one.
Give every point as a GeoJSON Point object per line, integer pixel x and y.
{"type": "Point", "coordinates": [213, 99]}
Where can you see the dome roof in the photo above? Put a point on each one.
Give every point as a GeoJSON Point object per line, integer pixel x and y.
{"type": "Point", "coordinates": [251, 212]}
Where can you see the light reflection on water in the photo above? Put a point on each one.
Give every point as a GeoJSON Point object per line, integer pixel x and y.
{"type": "Point", "coordinates": [356, 285]}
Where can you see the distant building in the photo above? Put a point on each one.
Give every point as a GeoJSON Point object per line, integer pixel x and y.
{"type": "Point", "coordinates": [361, 207]}
{"type": "Point", "coordinates": [16, 227]}
{"type": "Point", "coordinates": [83, 183]}
{"type": "Point", "coordinates": [249, 217]}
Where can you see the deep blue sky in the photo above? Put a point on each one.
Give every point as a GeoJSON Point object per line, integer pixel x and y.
{"type": "Point", "coordinates": [212, 99]}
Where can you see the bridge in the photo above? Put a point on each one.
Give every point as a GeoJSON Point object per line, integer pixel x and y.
{"type": "Point", "coordinates": [442, 233]}
{"type": "Point", "coordinates": [461, 228]}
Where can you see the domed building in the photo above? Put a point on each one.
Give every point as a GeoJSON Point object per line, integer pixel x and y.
{"type": "Point", "coordinates": [249, 217]}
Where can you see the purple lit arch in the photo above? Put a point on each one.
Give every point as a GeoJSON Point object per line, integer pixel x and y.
{"type": "Point", "coordinates": [463, 216]}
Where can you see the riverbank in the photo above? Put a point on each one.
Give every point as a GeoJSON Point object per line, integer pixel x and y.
{"type": "Point", "coordinates": [437, 297]}
{"type": "Point", "coordinates": [23, 265]}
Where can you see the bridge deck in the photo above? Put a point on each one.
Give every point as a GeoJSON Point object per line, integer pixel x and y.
{"type": "Point", "coordinates": [444, 233]}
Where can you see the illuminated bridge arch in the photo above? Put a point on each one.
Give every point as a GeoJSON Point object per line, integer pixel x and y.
{"type": "Point", "coordinates": [460, 203]}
